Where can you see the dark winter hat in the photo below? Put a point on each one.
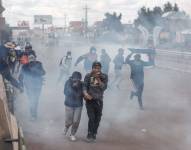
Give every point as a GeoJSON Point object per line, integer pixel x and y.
{"type": "Point", "coordinates": [76, 75]}
{"type": "Point", "coordinates": [69, 52]}
{"type": "Point", "coordinates": [9, 45]}
{"type": "Point", "coordinates": [137, 56]}
{"type": "Point", "coordinates": [93, 49]}
{"type": "Point", "coordinates": [96, 63]}
{"type": "Point", "coordinates": [28, 47]}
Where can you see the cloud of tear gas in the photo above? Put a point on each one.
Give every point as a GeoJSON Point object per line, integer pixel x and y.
{"type": "Point", "coordinates": [121, 117]}
{"type": "Point", "coordinates": [163, 94]}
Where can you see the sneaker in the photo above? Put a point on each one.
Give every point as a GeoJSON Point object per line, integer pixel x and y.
{"type": "Point", "coordinates": [72, 138]}
{"type": "Point", "coordinates": [89, 138]}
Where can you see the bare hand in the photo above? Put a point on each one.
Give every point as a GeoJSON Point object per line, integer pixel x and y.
{"type": "Point", "coordinates": [88, 97]}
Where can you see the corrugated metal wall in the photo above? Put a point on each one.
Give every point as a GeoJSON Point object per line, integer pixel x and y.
{"type": "Point", "coordinates": [8, 125]}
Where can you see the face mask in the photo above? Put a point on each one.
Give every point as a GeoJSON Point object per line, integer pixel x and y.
{"type": "Point", "coordinates": [75, 83]}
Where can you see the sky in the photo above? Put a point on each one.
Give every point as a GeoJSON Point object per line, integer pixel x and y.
{"type": "Point", "coordinates": [18, 10]}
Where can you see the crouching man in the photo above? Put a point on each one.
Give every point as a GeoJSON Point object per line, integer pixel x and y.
{"type": "Point", "coordinates": [73, 103]}
{"type": "Point", "coordinates": [95, 83]}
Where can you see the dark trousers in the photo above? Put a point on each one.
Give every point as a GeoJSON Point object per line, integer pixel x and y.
{"type": "Point", "coordinates": [94, 111]}
{"type": "Point", "coordinates": [33, 94]}
{"type": "Point", "coordinates": [139, 86]}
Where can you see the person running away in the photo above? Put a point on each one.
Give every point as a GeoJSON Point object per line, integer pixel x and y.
{"type": "Point", "coordinates": [65, 66]}
{"type": "Point", "coordinates": [32, 79]}
{"type": "Point", "coordinates": [88, 58]}
{"type": "Point", "coordinates": [137, 75]}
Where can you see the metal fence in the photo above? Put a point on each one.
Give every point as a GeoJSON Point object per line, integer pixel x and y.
{"type": "Point", "coordinates": [175, 60]}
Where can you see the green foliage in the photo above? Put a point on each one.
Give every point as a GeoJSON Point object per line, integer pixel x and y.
{"type": "Point", "coordinates": [112, 22]}
{"type": "Point", "coordinates": [151, 18]}
{"type": "Point", "coordinates": [176, 8]}
{"type": "Point", "coordinates": [168, 7]}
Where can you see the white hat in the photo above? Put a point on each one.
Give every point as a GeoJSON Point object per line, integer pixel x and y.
{"type": "Point", "coordinates": [9, 45]}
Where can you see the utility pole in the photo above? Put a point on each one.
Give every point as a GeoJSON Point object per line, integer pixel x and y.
{"type": "Point", "coordinates": [65, 22]}
{"type": "Point", "coordinates": [86, 20]}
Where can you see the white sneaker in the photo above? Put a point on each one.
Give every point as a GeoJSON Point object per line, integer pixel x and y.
{"type": "Point", "coordinates": [72, 138]}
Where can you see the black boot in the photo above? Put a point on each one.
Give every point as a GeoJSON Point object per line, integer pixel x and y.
{"type": "Point", "coordinates": [89, 137]}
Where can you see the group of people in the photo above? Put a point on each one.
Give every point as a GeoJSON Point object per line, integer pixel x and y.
{"type": "Point", "coordinates": [94, 84]}
{"type": "Point", "coordinates": [23, 71]}
{"type": "Point", "coordinates": [91, 89]}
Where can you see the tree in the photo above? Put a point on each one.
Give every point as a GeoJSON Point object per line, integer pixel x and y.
{"type": "Point", "coordinates": [112, 22]}
{"type": "Point", "coordinates": [168, 7]}
{"type": "Point", "coordinates": [143, 11]}
{"type": "Point", "coordinates": [149, 18]}
{"type": "Point", "coordinates": [158, 11]}
{"type": "Point", "coordinates": [176, 8]}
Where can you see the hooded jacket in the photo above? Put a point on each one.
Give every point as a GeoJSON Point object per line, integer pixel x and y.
{"type": "Point", "coordinates": [73, 94]}
{"type": "Point", "coordinates": [96, 91]}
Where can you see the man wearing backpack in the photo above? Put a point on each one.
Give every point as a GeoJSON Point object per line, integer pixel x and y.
{"type": "Point", "coordinates": [32, 78]}
{"type": "Point", "coordinates": [88, 58]}
{"type": "Point", "coordinates": [65, 66]}
{"type": "Point", "coordinates": [29, 50]}
{"type": "Point", "coordinates": [4, 65]}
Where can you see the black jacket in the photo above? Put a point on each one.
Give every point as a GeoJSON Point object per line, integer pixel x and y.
{"type": "Point", "coordinates": [96, 91]}
{"type": "Point", "coordinates": [32, 74]}
{"type": "Point", "coordinates": [4, 52]}
{"type": "Point", "coordinates": [73, 94]}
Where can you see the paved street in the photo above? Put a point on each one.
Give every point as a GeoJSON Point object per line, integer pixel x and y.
{"type": "Point", "coordinates": [163, 125]}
